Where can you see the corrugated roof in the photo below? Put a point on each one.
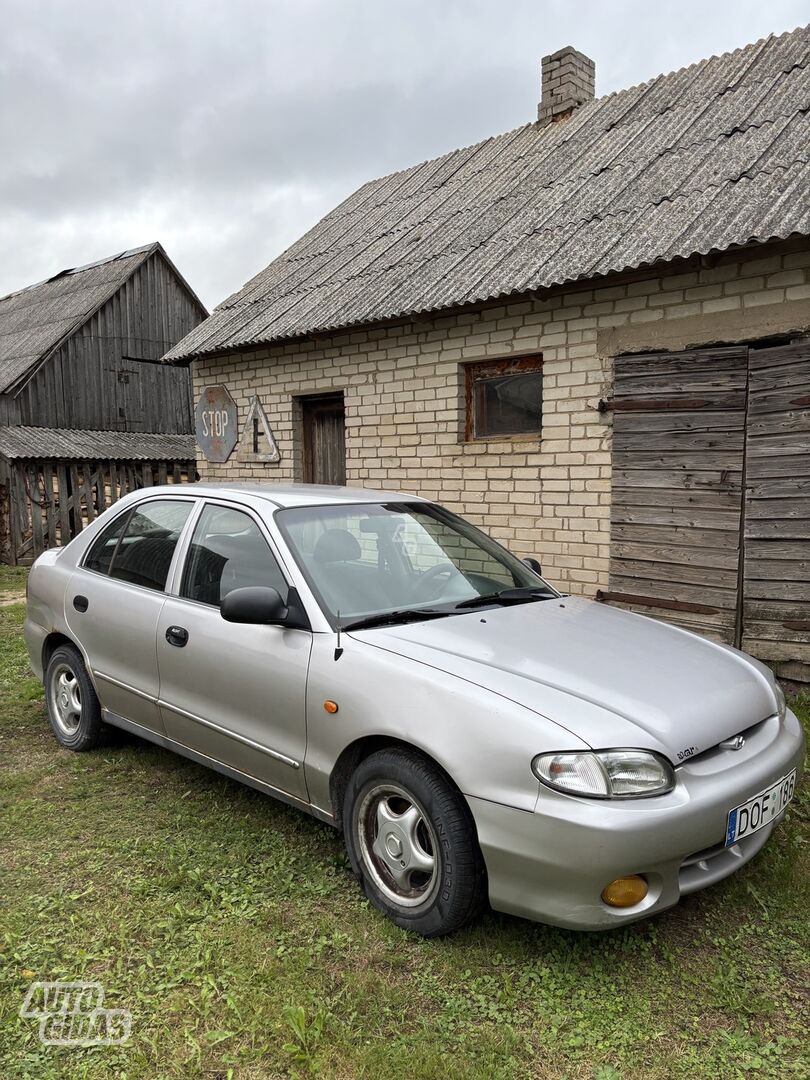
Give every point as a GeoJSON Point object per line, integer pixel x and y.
{"type": "Point", "coordinates": [37, 319]}
{"type": "Point", "coordinates": [36, 442]}
{"type": "Point", "coordinates": [714, 155]}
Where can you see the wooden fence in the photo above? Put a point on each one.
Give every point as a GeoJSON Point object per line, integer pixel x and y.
{"type": "Point", "coordinates": [44, 504]}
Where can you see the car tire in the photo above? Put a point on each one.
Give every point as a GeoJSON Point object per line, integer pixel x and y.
{"type": "Point", "coordinates": [73, 708]}
{"type": "Point", "coordinates": [412, 843]}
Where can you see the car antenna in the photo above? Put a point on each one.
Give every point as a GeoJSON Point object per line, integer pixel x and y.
{"type": "Point", "coordinates": [338, 648]}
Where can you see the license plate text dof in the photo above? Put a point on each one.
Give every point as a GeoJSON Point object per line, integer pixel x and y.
{"type": "Point", "coordinates": [761, 810]}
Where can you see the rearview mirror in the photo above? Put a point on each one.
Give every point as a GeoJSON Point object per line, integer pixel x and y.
{"type": "Point", "coordinates": [533, 564]}
{"type": "Point", "coordinates": [254, 604]}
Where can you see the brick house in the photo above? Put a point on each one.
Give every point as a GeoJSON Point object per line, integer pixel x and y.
{"type": "Point", "coordinates": [588, 335]}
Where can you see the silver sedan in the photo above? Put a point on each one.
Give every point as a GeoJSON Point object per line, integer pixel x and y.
{"type": "Point", "coordinates": [379, 662]}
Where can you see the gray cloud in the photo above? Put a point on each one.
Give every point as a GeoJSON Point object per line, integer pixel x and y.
{"type": "Point", "coordinates": [226, 129]}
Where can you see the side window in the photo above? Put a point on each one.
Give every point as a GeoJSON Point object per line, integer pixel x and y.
{"type": "Point", "coordinates": [100, 555]}
{"type": "Point", "coordinates": [504, 398]}
{"type": "Point", "coordinates": [228, 552]}
{"type": "Point", "coordinates": [145, 551]}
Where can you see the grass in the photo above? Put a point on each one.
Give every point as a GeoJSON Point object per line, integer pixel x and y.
{"type": "Point", "coordinates": [232, 929]}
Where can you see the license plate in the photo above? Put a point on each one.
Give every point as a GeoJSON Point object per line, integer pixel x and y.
{"type": "Point", "coordinates": [761, 810]}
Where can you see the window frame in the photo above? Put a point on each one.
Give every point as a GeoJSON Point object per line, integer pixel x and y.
{"type": "Point", "coordinates": [179, 568]}
{"type": "Point", "coordinates": [479, 370]}
{"type": "Point", "coordinates": [127, 512]}
{"type": "Point", "coordinates": [183, 568]}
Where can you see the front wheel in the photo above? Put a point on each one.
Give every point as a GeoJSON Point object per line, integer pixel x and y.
{"type": "Point", "coordinates": [412, 843]}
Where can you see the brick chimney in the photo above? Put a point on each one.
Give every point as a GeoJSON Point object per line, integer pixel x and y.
{"type": "Point", "coordinates": [569, 79]}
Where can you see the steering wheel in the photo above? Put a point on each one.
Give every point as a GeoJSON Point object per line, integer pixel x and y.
{"type": "Point", "coordinates": [432, 577]}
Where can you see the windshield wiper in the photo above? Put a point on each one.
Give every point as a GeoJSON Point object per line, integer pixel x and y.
{"type": "Point", "coordinates": [389, 618]}
{"type": "Point", "coordinates": [508, 596]}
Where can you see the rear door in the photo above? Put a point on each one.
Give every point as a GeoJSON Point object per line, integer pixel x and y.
{"type": "Point", "coordinates": [114, 600]}
{"type": "Point", "coordinates": [235, 693]}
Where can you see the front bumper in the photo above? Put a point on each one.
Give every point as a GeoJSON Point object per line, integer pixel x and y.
{"type": "Point", "coordinates": [552, 865]}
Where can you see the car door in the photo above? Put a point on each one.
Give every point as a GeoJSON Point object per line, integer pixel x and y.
{"type": "Point", "coordinates": [233, 692]}
{"type": "Point", "coordinates": [114, 599]}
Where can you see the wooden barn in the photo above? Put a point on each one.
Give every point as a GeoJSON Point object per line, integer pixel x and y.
{"type": "Point", "coordinates": [87, 411]}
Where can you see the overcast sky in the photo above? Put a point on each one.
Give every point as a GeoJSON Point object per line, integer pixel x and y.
{"type": "Point", "coordinates": [226, 129]}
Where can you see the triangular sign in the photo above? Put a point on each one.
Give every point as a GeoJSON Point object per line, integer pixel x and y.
{"type": "Point", "coordinates": [258, 440]}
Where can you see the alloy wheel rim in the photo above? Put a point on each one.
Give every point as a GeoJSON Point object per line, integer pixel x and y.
{"type": "Point", "coordinates": [66, 699]}
{"type": "Point", "coordinates": [398, 845]}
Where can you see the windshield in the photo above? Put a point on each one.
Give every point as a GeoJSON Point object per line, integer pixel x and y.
{"type": "Point", "coordinates": [368, 559]}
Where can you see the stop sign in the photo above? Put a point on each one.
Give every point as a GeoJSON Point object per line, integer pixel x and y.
{"type": "Point", "coordinates": [216, 423]}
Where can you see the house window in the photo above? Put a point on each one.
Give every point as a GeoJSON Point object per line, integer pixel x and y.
{"type": "Point", "coordinates": [504, 398]}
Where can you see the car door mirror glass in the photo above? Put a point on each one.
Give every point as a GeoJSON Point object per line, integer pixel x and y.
{"type": "Point", "coordinates": [259, 604]}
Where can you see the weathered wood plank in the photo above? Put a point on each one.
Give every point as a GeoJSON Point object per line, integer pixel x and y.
{"type": "Point", "coordinates": [75, 489]}
{"type": "Point", "coordinates": [87, 491]}
{"type": "Point", "coordinates": [687, 573]}
{"type": "Point", "coordinates": [782, 509]}
{"type": "Point", "coordinates": [671, 479]}
{"type": "Point", "coordinates": [658, 554]}
{"type": "Point", "coordinates": [722, 459]}
{"type": "Point", "coordinates": [703, 402]}
{"type": "Point", "coordinates": [709, 498]}
{"type": "Point", "coordinates": [710, 539]}
{"type": "Point", "coordinates": [686, 517]}
{"type": "Point", "coordinates": [703, 595]}
{"type": "Point", "coordinates": [100, 484]}
{"type": "Point", "coordinates": [48, 483]}
{"type": "Point", "coordinates": [64, 512]}
{"type": "Point", "coordinates": [677, 442]}
{"type": "Point", "coordinates": [35, 499]}
{"type": "Point", "coordinates": [762, 468]}
{"type": "Point", "coordinates": [679, 422]}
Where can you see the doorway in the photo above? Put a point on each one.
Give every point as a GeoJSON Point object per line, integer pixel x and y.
{"type": "Point", "coordinates": [710, 519]}
{"type": "Point", "coordinates": [324, 444]}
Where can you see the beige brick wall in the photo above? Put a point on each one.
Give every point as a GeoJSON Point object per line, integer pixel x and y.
{"type": "Point", "coordinates": [403, 387]}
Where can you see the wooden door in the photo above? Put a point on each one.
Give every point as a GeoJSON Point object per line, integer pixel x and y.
{"type": "Point", "coordinates": [776, 543]}
{"type": "Point", "coordinates": [678, 452]}
{"type": "Point", "coordinates": [324, 439]}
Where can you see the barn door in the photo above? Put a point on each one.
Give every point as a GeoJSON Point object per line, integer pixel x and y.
{"type": "Point", "coordinates": [129, 399]}
{"type": "Point", "coordinates": [678, 452]}
{"type": "Point", "coordinates": [776, 606]}
{"type": "Point", "coordinates": [324, 439]}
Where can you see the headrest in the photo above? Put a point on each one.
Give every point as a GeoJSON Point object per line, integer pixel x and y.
{"type": "Point", "coordinates": [336, 545]}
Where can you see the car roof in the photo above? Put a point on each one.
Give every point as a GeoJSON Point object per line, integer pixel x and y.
{"type": "Point", "coordinates": [291, 494]}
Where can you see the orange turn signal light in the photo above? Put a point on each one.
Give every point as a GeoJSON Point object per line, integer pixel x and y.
{"type": "Point", "coordinates": [330, 706]}
{"type": "Point", "coordinates": [625, 891]}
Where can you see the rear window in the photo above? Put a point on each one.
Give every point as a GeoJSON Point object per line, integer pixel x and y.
{"type": "Point", "coordinates": [139, 546]}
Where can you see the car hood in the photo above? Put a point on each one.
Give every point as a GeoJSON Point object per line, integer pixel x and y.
{"type": "Point", "coordinates": [610, 677]}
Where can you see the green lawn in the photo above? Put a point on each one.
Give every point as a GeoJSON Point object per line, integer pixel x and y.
{"type": "Point", "coordinates": [234, 932]}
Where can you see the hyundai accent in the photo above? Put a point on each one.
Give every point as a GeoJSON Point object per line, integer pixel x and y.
{"type": "Point", "coordinates": [379, 662]}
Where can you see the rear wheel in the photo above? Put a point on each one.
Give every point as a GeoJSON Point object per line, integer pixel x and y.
{"type": "Point", "coordinates": [73, 708]}
{"type": "Point", "coordinates": [412, 843]}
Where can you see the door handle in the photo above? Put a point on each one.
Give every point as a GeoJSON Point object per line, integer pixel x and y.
{"type": "Point", "coordinates": [81, 603]}
{"type": "Point", "coordinates": [177, 635]}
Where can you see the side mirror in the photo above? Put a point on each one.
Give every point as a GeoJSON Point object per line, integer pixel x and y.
{"type": "Point", "coordinates": [254, 604]}
{"type": "Point", "coordinates": [533, 564]}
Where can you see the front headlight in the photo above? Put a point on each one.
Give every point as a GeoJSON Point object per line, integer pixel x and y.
{"type": "Point", "coordinates": [606, 774]}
